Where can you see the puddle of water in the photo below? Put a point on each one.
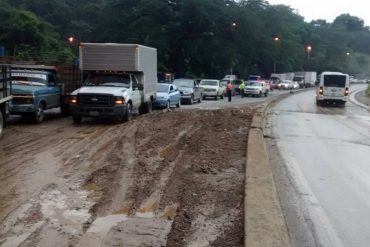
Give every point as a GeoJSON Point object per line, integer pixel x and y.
{"type": "Point", "coordinates": [102, 225]}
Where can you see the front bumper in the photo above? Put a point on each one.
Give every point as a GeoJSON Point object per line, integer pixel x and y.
{"type": "Point", "coordinates": [22, 109]}
{"type": "Point", "coordinates": [98, 112]}
{"type": "Point", "coordinates": [186, 96]}
{"type": "Point", "coordinates": [160, 103]}
{"type": "Point", "coordinates": [253, 92]}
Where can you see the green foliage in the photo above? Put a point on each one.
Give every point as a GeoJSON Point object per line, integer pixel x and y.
{"type": "Point", "coordinates": [193, 37]}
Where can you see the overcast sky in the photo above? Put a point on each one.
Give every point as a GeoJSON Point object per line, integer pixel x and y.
{"type": "Point", "coordinates": [328, 9]}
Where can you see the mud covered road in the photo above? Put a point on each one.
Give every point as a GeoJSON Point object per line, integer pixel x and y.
{"type": "Point", "coordinates": [170, 178]}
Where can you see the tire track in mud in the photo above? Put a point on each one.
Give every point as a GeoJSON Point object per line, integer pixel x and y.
{"type": "Point", "coordinates": [168, 178]}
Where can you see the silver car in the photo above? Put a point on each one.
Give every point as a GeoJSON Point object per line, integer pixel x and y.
{"type": "Point", "coordinates": [189, 90]}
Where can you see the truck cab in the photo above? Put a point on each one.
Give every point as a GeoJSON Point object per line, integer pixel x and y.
{"type": "Point", "coordinates": [33, 92]}
{"type": "Point", "coordinates": [106, 95]}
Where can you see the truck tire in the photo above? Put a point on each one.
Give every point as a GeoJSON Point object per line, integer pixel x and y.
{"type": "Point", "coordinates": [77, 119]}
{"type": "Point", "coordinates": [38, 116]}
{"type": "Point", "coordinates": [128, 114]}
{"type": "Point", "coordinates": [149, 106]}
{"type": "Point", "coordinates": [1, 123]}
{"type": "Point", "coordinates": [178, 105]}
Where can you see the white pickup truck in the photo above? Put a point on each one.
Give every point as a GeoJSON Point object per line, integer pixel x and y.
{"type": "Point", "coordinates": [120, 79]}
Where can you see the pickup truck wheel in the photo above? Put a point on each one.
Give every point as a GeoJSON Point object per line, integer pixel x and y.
{"type": "Point", "coordinates": [216, 97]}
{"type": "Point", "coordinates": [77, 119]}
{"type": "Point", "coordinates": [1, 123]}
{"type": "Point", "coordinates": [260, 94]}
{"type": "Point", "coordinates": [266, 93]}
{"type": "Point", "coordinates": [38, 116]}
{"type": "Point", "coordinates": [128, 114]}
{"type": "Point", "coordinates": [168, 106]}
{"type": "Point", "coordinates": [178, 105]}
{"type": "Point", "coordinates": [222, 96]}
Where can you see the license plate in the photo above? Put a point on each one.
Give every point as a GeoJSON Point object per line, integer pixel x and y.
{"type": "Point", "coordinates": [94, 113]}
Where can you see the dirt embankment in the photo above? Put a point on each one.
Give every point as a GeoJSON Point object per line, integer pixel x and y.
{"type": "Point", "coordinates": [164, 179]}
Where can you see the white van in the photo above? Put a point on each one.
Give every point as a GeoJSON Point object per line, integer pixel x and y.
{"type": "Point", "coordinates": [332, 87]}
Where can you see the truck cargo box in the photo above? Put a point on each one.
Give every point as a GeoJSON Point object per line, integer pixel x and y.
{"type": "Point", "coordinates": [139, 59]}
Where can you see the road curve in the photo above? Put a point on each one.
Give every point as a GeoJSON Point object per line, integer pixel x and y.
{"type": "Point", "coordinates": [325, 153]}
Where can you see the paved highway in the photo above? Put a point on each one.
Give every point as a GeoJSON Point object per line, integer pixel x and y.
{"type": "Point", "coordinates": [321, 162]}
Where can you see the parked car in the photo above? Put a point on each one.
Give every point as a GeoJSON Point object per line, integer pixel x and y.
{"type": "Point", "coordinates": [257, 88]}
{"type": "Point", "coordinates": [167, 95]}
{"type": "Point", "coordinates": [212, 88]}
{"type": "Point", "coordinates": [295, 85]}
{"type": "Point", "coordinates": [285, 84]}
{"type": "Point", "coordinates": [189, 90]}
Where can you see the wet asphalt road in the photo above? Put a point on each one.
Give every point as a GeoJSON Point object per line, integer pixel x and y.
{"type": "Point", "coordinates": [326, 152]}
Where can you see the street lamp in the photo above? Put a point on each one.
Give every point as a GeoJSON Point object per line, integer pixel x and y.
{"type": "Point", "coordinates": [309, 49]}
{"type": "Point", "coordinates": [276, 40]}
{"type": "Point", "coordinates": [71, 39]}
{"type": "Point", "coordinates": [348, 54]}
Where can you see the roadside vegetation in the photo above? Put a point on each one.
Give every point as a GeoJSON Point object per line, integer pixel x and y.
{"type": "Point", "coordinates": [368, 90]}
{"type": "Point", "coordinates": [199, 38]}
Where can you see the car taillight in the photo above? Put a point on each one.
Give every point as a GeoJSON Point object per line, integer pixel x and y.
{"type": "Point", "coordinates": [346, 92]}
{"type": "Point", "coordinates": [321, 90]}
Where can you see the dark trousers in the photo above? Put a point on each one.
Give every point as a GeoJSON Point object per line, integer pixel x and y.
{"type": "Point", "coordinates": [242, 92]}
{"type": "Point", "coordinates": [229, 95]}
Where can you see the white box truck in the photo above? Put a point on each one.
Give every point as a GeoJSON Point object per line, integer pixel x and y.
{"type": "Point", "coordinates": [120, 79]}
{"type": "Point", "coordinates": [305, 78]}
{"type": "Point", "coordinates": [5, 94]}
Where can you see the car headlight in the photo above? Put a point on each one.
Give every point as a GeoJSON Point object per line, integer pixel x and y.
{"type": "Point", "coordinates": [73, 99]}
{"type": "Point", "coordinates": [119, 100]}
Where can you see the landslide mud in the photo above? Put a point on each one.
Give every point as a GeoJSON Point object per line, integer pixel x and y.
{"type": "Point", "coordinates": [164, 179]}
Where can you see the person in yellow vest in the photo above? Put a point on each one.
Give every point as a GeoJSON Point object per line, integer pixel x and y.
{"type": "Point", "coordinates": [242, 88]}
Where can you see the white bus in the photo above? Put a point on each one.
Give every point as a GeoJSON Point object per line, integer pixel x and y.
{"type": "Point", "coordinates": [333, 87]}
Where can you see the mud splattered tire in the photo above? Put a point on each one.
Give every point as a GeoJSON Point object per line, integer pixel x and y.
{"type": "Point", "coordinates": [38, 116]}
{"type": "Point", "coordinates": [77, 119]}
{"type": "Point", "coordinates": [128, 114]}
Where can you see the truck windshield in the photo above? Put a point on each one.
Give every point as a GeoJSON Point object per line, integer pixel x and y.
{"type": "Point", "coordinates": [29, 79]}
{"type": "Point", "coordinates": [334, 80]}
{"type": "Point", "coordinates": [109, 80]}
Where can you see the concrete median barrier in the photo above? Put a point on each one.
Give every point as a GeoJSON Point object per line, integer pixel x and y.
{"type": "Point", "coordinates": [264, 221]}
